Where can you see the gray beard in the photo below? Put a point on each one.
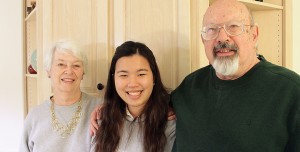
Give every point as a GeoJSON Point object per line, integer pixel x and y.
{"type": "Point", "coordinates": [226, 66]}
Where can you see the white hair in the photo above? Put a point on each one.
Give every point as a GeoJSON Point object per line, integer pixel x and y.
{"type": "Point", "coordinates": [65, 46]}
{"type": "Point", "coordinates": [226, 66]}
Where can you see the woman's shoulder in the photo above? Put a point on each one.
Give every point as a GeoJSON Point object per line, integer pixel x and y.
{"type": "Point", "coordinates": [170, 134]}
{"type": "Point", "coordinates": [90, 102]}
{"type": "Point", "coordinates": [91, 98]}
{"type": "Point", "coordinates": [171, 127]}
{"type": "Point", "coordinates": [39, 108]}
{"type": "Point", "coordinates": [38, 112]}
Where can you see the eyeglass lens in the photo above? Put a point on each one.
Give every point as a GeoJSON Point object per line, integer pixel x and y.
{"type": "Point", "coordinates": [232, 29]}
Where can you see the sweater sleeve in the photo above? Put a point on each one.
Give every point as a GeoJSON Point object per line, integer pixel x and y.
{"type": "Point", "coordinates": [297, 132]}
{"type": "Point", "coordinates": [294, 141]}
{"type": "Point", "coordinates": [26, 145]}
{"type": "Point", "coordinates": [293, 144]}
{"type": "Point", "coordinates": [170, 134]}
{"type": "Point", "coordinates": [93, 144]}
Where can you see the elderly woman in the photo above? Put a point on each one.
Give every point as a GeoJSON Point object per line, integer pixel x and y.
{"type": "Point", "coordinates": [60, 123]}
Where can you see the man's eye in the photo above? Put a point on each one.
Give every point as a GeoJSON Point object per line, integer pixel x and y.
{"type": "Point", "coordinates": [60, 64]}
{"type": "Point", "coordinates": [233, 26]}
{"type": "Point", "coordinates": [211, 30]}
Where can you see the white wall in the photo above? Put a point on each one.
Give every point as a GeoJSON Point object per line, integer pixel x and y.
{"type": "Point", "coordinates": [296, 36]}
{"type": "Point", "coordinates": [11, 77]}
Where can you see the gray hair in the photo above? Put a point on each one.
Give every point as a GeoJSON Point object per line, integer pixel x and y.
{"type": "Point", "coordinates": [65, 46]}
{"type": "Point", "coordinates": [251, 18]}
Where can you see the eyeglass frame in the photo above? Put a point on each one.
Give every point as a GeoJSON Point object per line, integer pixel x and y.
{"type": "Point", "coordinates": [223, 26]}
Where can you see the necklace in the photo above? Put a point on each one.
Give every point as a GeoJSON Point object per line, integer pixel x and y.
{"type": "Point", "coordinates": [66, 129]}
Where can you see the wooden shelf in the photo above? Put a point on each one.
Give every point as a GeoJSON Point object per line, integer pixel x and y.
{"type": "Point", "coordinates": [31, 16]}
{"type": "Point", "coordinates": [31, 75]}
{"type": "Point", "coordinates": [31, 41]}
{"type": "Point", "coordinates": [258, 6]}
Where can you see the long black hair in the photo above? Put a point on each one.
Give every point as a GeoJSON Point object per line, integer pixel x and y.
{"type": "Point", "coordinates": [114, 109]}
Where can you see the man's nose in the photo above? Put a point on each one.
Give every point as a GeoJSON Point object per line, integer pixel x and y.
{"type": "Point", "coordinates": [222, 36]}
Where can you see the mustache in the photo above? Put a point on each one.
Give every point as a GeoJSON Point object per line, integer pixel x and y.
{"type": "Point", "coordinates": [225, 45]}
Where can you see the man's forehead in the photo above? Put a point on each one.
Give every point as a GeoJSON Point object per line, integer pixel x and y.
{"type": "Point", "coordinates": [218, 14]}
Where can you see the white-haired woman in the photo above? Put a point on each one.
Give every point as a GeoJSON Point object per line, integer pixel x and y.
{"type": "Point", "coordinates": [60, 123]}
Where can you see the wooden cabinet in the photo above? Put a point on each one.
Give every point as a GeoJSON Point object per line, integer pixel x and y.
{"type": "Point", "coordinates": [81, 21]}
{"type": "Point", "coordinates": [268, 15]}
{"type": "Point", "coordinates": [171, 29]}
{"type": "Point", "coordinates": [77, 20]}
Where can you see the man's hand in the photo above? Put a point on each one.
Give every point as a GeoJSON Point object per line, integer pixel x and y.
{"type": "Point", "coordinates": [171, 114]}
{"type": "Point", "coordinates": [95, 115]}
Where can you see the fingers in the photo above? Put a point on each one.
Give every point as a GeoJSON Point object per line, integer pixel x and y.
{"type": "Point", "coordinates": [171, 114]}
{"type": "Point", "coordinates": [172, 117]}
{"type": "Point", "coordinates": [93, 121]}
{"type": "Point", "coordinates": [94, 124]}
{"type": "Point", "coordinates": [92, 130]}
{"type": "Point", "coordinates": [93, 127]}
{"type": "Point", "coordinates": [99, 108]}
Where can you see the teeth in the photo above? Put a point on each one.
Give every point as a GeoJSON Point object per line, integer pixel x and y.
{"type": "Point", "coordinates": [224, 51]}
{"type": "Point", "coordinates": [69, 80]}
{"type": "Point", "coordinates": [134, 93]}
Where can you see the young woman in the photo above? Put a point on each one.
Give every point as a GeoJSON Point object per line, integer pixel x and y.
{"type": "Point", "coordinates": [135, 109]}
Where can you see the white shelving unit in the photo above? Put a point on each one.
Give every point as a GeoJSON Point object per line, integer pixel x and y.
{"type": "Point", "coordinates": [31, 79]}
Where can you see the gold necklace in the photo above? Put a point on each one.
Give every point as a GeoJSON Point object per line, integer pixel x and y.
{"type": "Point", "coordinates": [66, 130]}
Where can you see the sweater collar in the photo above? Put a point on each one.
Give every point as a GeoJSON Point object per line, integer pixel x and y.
{"type": "Point", "coordinates": [237, 82]}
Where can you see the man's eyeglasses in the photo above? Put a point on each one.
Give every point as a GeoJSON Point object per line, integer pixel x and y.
{"type": "Point", "coordinates": [212, 31]}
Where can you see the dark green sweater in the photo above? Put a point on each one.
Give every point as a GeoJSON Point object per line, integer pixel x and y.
{"type": "Point", "coordinates": [259, 112]}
